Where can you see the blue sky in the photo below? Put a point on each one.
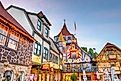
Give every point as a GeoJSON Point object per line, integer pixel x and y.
{"type": "Point", "coordinates": [98, 21]}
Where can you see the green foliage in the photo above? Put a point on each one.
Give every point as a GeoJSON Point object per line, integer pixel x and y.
{"type": "Point", "coordinates": [84, 48]}
{"type": "Point", "coordinates": [92, 53]}
{"type": "Point", "coordinates": [73, 77]}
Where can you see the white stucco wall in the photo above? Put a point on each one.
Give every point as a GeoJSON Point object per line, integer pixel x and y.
{"type": "Point", "coordinates": [45, 44]}
{"type": "Point", "coordinates": [34, 20]}
{"type": "Point", "coordinates": [38, 38]}
{"type": "Point", "coordinates": [21, 18]}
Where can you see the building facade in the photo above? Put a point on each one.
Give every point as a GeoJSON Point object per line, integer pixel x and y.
{"type": "Point", "coordinates": [16, 46]}
{"type": "Point", "coordinates": [110, 56]}
{"type": "Point", "coordinates": [75, 60]}
{"type": "Point", "coordinates": [39, 27]}
{"type": "Point", "coordinates": [46, 57]}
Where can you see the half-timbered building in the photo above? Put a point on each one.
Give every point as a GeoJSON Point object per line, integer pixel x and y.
{"type": "Point", "coordinates": [75, 60]}
{"type": "Point", "coordinates": [110, 56]}
{"type": "Point", "coordinates": [16, 46]}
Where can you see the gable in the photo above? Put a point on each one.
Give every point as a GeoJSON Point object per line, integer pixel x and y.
{"type": "Point", "coordinates": [109, 52]}
{"type": "Point", "coordinates": [34, 19]}
{"type": "Point", "coordinates": [21, 17]}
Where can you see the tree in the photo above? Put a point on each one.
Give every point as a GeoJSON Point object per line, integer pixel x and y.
{"type": "Point", "coordinates": [84, 48]}
{"type": "Point", "coordinates": [73, 77]}
{"type": "Point", "coordinates": [92, 53]}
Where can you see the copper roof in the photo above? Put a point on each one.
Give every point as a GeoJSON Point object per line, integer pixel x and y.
{"type": "Point", "coordinates": [10, 19]}
{"type": "Point", "coordinates": [64, 30]}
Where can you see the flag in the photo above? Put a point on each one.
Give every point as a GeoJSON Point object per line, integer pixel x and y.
{"type": "Point", "coordinates": [75, 27]}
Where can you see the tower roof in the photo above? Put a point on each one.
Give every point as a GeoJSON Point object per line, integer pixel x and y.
{"type": "Point", "coordinates": [64, 30]}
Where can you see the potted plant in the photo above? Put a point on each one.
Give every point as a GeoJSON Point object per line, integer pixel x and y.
{"type": "Point", "coordinates": [73, 77]}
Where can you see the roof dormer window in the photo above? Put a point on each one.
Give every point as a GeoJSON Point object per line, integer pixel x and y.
{"type": "Point", "coordinates": [39, 25]}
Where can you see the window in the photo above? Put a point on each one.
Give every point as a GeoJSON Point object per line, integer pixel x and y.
{"type": "Point", "coordinates": [37, 49]}
{"type": "Point", "coordinates": [69, 38]}
{"type": "Point", "coordinates": [46, 32]}
{"type": "Point", "coordinates": [109, 52]}
{"type": "Point", "coordinates": [21, 77]}
{"type": "Point", "coordinates": [51, 56]}
{"type": "Point", "coordinates": [39, 25]}
{"type": "Point", "coordinates": [56, 39]}
{"type": "Point", "coordinates": [45, 54]}
{"type": "Point", "coordinates": [13, 42]}
{"type": "Point", "coordinates": [3, 35]}
{"type": "Point", "coordinates": [73, 55]}
{"type": "Point", "coordinates": [56, 59]}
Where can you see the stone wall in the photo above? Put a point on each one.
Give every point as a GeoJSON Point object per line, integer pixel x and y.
{"type": "Point", "coordinates": [21, 56]}
{"type": "Point", "coordinates": [16, 71]}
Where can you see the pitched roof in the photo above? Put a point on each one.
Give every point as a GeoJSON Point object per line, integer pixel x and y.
{"type": "Point", "coordinates": [64, 30]}
{"type": "Point", "coordinates": [43, 16]}
{"type": "Point", "coordinates": [52, 41]}
{"type": "Point", "coordinates": [10, 19]}
{"type": "Point", "coordinates": [107, 46]}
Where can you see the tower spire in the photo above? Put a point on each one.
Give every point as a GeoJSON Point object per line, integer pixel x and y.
{"type": "Point", "coordinates": [64, 20]}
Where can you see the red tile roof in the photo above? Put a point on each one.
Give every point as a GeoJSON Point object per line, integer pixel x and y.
{"type": "Point", "coordinates": [10, 19]}
{"type": "Point", "coordinates": [64, 30]}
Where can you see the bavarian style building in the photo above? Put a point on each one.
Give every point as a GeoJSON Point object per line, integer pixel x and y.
{"type": "Point", "coordinates": [16, 46]}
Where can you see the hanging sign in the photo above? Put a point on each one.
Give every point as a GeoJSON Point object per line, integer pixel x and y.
{"type": "Point", "coordinates": [45, 67]}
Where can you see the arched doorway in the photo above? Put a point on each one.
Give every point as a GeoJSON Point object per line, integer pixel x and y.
{"type": "Point", "coordinates": [8, 75]}
{"type": "Point", "coordinates": [21, 77]}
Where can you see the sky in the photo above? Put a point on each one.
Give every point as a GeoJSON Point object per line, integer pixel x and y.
{"type": "Point", "coordinates": [98, 21]}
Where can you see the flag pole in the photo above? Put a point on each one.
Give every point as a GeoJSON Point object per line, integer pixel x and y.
{"type": "Point", "coordinates": [74, 28]}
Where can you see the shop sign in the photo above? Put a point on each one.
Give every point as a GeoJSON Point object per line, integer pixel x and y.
{"type": "Point", "coordinates": [46, 67]}
{"type": "Point", "coordinates": [36, 59]}
{"type": "Point", "coordinates": [55, 66]}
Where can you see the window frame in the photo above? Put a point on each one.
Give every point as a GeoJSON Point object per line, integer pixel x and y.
{"type": "Point", "coordinates": [3, 36]}
{"type": "Point", "coordinates": [46, 32]}
{"type": "Point", "coordinates": [36, 50]}
{"type": "Point", "coordinates": [13, 40]}
{"type": "Point", "coordinates": [45, 54]}
{"type": "Point", "coordinates": [39, 25]}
